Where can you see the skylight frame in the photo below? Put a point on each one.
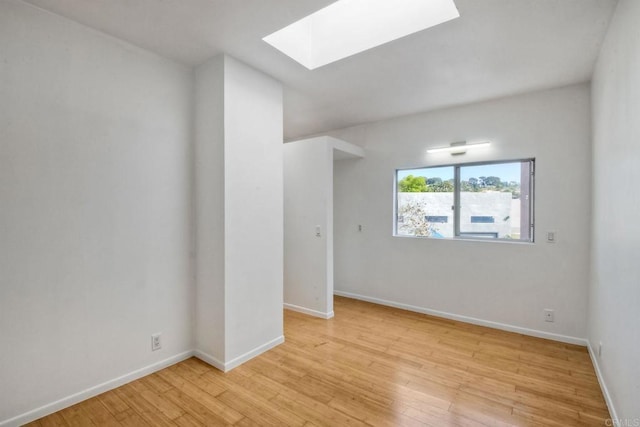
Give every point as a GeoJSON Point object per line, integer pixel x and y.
{"type": "Point", "coordinates": [348, 27]}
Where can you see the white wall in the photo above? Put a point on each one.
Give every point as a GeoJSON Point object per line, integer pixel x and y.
{"type": "Point", "coordinates": [209, 207]}
{"type": "Point", "coordinates": [239, 210]}
{"type": "Point", "coordinates": [308, 202]}
{"type": "Point", "coordinates": [253, 209]}
{"type": "Point", "coordinates": [614, 308]}
{"type": "Point", "coordinates": [94, 208]}
{"type": "Point", "coordinates": [506, 283]}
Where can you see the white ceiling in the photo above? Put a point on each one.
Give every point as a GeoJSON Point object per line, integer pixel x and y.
{"type": "Point", "coordinates": [496, 48]}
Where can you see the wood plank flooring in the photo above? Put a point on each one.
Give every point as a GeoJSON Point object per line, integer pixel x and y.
{"type": "Point", "coordinates": [370, 365]}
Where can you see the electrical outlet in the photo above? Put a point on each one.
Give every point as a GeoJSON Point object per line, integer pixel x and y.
{"type": "Point", "coordinates": [156, 343]}
{"type": "Point", "coordinates": [551, 236]}
{"type": "Point", "coordinates": [548, 315]}
{"type": "Point", "coordinates": [600, 349]}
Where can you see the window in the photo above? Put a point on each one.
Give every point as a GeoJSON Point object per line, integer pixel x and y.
{"type": "Point", "coordinates": [472, 201]}
{"type": "Point", "coordinates": [475, 219]}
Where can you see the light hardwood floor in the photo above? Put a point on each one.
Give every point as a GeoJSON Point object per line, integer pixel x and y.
{"type": "Point", "coordinates": [370, 365]}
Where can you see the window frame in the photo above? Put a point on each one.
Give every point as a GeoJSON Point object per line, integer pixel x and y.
{"type": "Point", "coordinates": [456, 201]}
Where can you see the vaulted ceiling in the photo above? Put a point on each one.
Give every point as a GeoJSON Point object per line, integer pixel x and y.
{"type": "Point", "coordinates": [496, 48]}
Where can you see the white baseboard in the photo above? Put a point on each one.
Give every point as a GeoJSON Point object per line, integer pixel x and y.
{"type": "Point", "coordinates": [207, 358]}
{"type": "Point", "coordinates": [308, 311]}
{"type": "Point", "coordinates": [603, 386]}
{"type": "Point", "coordinates": [253, 353]}
{"type": "Point", "coordinates": [65, 402]}
{"type": "Point", "coordinates": [466, 319]}
{"type": "Point", "coordinates": [226, 367]}
{"type": "Point", "coordinates": [93, 391]}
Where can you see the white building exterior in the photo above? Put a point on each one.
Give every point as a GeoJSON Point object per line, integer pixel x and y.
{"type": "Point", "coordinates": [490, 214]}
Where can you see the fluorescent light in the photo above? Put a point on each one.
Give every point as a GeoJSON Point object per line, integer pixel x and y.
{"type": "Point", "coordinates": [347, 27]}
{"type": "Point", "coordinates": [459, 147]}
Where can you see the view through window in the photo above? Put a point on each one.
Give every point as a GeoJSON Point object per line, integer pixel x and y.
{"type": "Point", "coordinates": [483, 201]}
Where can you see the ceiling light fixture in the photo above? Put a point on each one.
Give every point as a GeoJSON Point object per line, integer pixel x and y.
{"type": "Point", "coordinates": [347, 27]}
{"type": "Point", "coordinates": [456, 148]}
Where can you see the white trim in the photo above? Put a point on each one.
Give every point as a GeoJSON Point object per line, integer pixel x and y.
{"type": "Point", "coordinates": [308, 311]}
{"type": "Point", "coordinates": [466, 319]}
{"type": "Point", "coordinates": [207, 358]}
{"type": "Point", "coordinates": [65, 402]}
{"type": "Point", "coordinates": [347, 150]}
{"type": "Point", "coordinates": [253, 353]}
{"type": "Point", "coordinates": [605, 391]}
{"type": "Point", "coordinates": [226, 367]}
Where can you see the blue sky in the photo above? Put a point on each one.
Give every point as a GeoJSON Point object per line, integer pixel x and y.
{"type": "Point", "coordinates": [505, 171]}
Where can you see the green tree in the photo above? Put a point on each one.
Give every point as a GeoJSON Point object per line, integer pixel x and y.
{"type": "Point", "coordinates": [492, 181]}
{"type": "Point", "coordinates": [434, 181]}
{"type": "Point", "coordinates": [467, 186]}
{"type": "Point", "coordinates": [442, 187]}
{"type": "Point", "coordinates": [413, 184]}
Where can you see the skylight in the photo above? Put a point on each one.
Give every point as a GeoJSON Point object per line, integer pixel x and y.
{"type": "Point", "coordinates": [347, 27]}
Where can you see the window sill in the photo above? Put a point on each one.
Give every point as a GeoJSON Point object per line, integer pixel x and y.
{"type": "Point", "coordinates": [469, 239]}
